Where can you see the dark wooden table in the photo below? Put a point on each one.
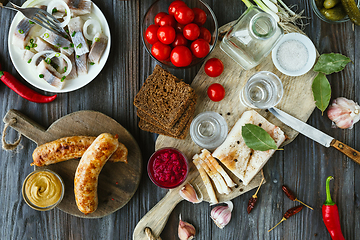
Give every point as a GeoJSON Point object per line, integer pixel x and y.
{"type": "Point", "coordinates": [303, 165]}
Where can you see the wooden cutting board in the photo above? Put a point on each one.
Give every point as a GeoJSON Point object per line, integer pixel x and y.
{"type": "Point", "coordinates": [117, 181]}
{"type": "Point", "coordinates": [297, 101]}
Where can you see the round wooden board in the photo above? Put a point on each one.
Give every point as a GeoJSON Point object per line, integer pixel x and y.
{"type": "Point", "coordinates": [117, 181]}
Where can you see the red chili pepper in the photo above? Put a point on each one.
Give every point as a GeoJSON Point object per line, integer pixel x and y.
{"type": "Point", "coordinates": [331, 215]}
{"type": "Point", "coordinates": [23, 90]}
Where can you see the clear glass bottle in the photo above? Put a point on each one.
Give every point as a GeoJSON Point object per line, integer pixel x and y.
{"type": "Point", "coordinates": [252, 37]}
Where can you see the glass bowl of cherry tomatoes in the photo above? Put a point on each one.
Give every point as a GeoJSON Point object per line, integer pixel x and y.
{"type": "Point", "coordinates": [179, 34]}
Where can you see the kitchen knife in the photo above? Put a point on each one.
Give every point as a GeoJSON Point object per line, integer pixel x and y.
{"type": "Point", "coordinates": [315, 134]}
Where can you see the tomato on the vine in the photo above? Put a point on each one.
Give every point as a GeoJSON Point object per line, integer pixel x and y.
{"type": "Point", "coordinates": [166, 34]}
{"type": "Point", "coordinates": [167, 20]}
{"type": "Point", "coordinates": [160, 51]}
{"type": "Point", "coordinates": [175, 5]}
{"type": "Point", "coordinates": [184, 15]}
{"type": "Point", "coordinates": [151, 34]}
{"type": "Point", "coordinates": [205, 34]}
{"type": "Point", "coordinates": [214, 67]}
{"type": "Point", "coordinates": [191, 31]}
{"type": "Point", "coordinates": [158, 17]}
{"type": "Point", "coordinates": [216, 92]}
{"type": "Point", "coordinates": [200, 16]}
{"type": "Point", "coordinates": [181, 56]}
{"type": "Point", "coordinates": [180, 40]}
{"type": "Point", "coordinates": [200, 48]}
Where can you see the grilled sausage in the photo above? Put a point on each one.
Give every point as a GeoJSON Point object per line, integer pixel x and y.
{"type": "Point", "coordinates": [69, 148]}
{"type": "Point", "coordinates": [88, 170]}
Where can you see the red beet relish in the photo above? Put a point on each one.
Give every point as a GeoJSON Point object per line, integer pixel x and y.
{"type": "Point", "coordinates": [167, 168]}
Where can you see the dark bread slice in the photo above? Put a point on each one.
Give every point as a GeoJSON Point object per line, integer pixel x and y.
{"type": "Point", "coordinates": [164, 97]}
{"type": "Point", "coordinates": [146, 126]}
{"type": "Point", "coordinates": [179, 125]}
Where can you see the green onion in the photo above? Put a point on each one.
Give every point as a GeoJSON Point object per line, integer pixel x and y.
{"type": "Point", "coordinates": [92, 63]}
{"type": "Point", "coordinates": [77, 56]}
{"type": "Point", "coordinates": [71, 45]}
{"type": "Point", "coordinates": [31, 40]}
{"type": "Point", "coordinates": [21, 31]}
{"type": "Point", "coordinates": [41, 76]}
{"type": "Point", "coordinates": [35, 45]}
{"type": "Point", "coordinates": [57, 55]}
{"type": "Point", "coordinates": [31, 22]}
{"type": "Point", "coordinates": [67, 30]}
{"type": "Point", "coordinates": [65, 68]}
{"type": "Point", "coordinates": [79, 46]}
{"type": "Point", "coordinates": [63, 78]}
{"type": "Point", "coordinates": [29, 60]}
{"type": "Point", "coordinates": [32, 45]}
{"type": "Point", "coordinates": [54, 10]}
{"type": "Point", "coordinates": [48, 60]}
{"type": "Point", "coordinates": [27, 48]}
{"type": "Point", "coordinates": [65, 48]}
{"type": "Point", "coordinates": [73, 34]}
{"type": "Point", "coordinates": [97, 39]}
{"type": "Point", "coordinates": [46, 35]}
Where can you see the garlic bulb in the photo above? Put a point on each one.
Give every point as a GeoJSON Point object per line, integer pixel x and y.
{"type": "Point", "coordinates": [344, 112]}
{"type": "Point", "coordinates": [186, 231]}
{"type": "Point", "coordinates": [188, 193]}
{"type": "Point", "coordinates": [222, 214]}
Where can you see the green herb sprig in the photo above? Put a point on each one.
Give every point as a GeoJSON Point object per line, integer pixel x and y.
{"type": "Point", "coordinates": [257, 138]}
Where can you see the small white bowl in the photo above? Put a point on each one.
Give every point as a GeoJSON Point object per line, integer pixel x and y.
{"type": "Point", "coordinates": [308, 45]}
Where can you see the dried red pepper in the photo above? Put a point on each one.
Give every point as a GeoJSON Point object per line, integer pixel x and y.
{"type": "Point", "coordinates": [253, 199]}
{"type": "Point", "coordinates": [330, 214]}
{"type": "Point", "coordinates": [290, 194]}
{"type": "Point", "coordinates": [23, 90]}
{"type": "Point", "coordinates": [289, 213]}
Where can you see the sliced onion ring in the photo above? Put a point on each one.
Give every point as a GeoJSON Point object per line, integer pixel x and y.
{"type": "Point", "coordinates": [55, 3]}
{"type": "Point", "coordinates": [36, 56]}
{"type": "Point", "coordinates": [96, 28]}
{"type": "Point", "coordinates": [63, 56]}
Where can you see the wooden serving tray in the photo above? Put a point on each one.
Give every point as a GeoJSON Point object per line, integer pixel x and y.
{"type": "Point", "coordinates": [297, 100]}
{"type": "Point", "coordinates": [117, 181]}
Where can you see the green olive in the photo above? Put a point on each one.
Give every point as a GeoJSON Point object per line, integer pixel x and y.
{"type": "Point", "coordinates": [330, 3]}
{"type": "Point", "coordinates": [334, 14]}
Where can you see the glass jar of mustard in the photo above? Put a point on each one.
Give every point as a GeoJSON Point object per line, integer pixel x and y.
{"type": "Point", "coordinates": [43, 189]}
{"type": "Point", "coordinates": [252, 37]}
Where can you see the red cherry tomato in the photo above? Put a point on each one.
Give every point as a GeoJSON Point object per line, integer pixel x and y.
{"type": "Point", "coordinates": [181, 56]}
{"type": "Point", "coordinates": [200, 16]}
{"type": "Point", "coordinates": [166, 34]}
{"type": "Point", "coordinates": [175, 5]}
{"type": "Point", "coordinates": [179, 27]}
{"type": "Point", "coordinates": [200, 48]}
{"type": "Point", "coordinates": [214, 67]}
{"type": "Point", "coordinates": [191, 31]}
{"type": "Point", "coordinates": [180, 40]}
{"type": "Point", "coordinates": [160, 51]}
{"type": "Point", "coordinates": [167, 20]}
{"type": "Point", "coordinates": [184, 15]}
{"type": "Point", "coordinates": [205, 34]}
{"type": "Point", "coordinates": [216, 92]}
{"type": "Point", "coordinates": [158, 17]}
{"type": "Point", "coordinates": [151, 34]}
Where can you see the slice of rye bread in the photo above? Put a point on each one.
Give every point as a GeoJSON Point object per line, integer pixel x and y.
{"type": "Point", "coordinates": [179, 125]}
{"type": "Point", "coordinates": [146, 126]}
{"type": "Point", "coordinates": [164, 97]}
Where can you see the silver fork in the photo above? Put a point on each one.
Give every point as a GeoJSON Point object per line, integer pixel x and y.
{"type": "Point", "coordinates": [40, 17]}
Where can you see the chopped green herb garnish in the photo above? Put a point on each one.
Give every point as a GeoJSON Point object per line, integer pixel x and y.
{"type": "Point", "coordinates": [59, 45]}
{"type": "Point", "coordinates": [21, 31]}
{"type": "Point", "coordinates": [29, 60]}
{"type": "Point", "coordinates": [32, 45]}
{"type": "Point", "coordinates": [77, 56]}
{"type": "Point", "coordinates": [41, 76]}
{"type": "Point", "coordinates": [48, 60]}
{"type": "Point", "coordinates": [79, 46]}
{"type": "Point", "coordinates": [71, 45]}
{"type": "Point", "coordinates": [57, 55]}
{"type": "Point", "coordinates": [35, 45]}
{"type": "Point", "coordinates": [67, 30]}
{"type": "Point", "coordinates": [63, 78]}
{"type": "Point", "coordinates": [73, 34]}
{"type": "Point", "coordinates": [54, 10]}
{"type": "Point", "coordinates": [31, 40]}
{"type": "Point", "coordinates": [97, 39]}
{"type": "Point", "coordinates": [46, 35]}
{"type": "Point", "coordinates": [31, 22]}
{"type": "Point", "coordinates": [65, 48]}
{"type": "Point", "coordinates": [92, 63]}
{"type": "Point", "coordinates": [65, 68]}
{"type": "Point", "coordinates": [27, 48]}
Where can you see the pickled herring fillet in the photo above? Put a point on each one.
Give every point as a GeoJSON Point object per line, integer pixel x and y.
{"type": "Point", "coordinates": [50, 75]}
{"type": "Point", "coordinates": [23, 33]}
{"type": "Point", "coordinates": [42, 45]}
{"type": "Point", "coordinates": [79, 7]}
{"type": "Point", "coordinates": [58, 41]}
{"type": "Point", "coordinates": [73, 74]}
{"type": "Point", "coordinates": [75, 29]}
{"type": "Point", "coordinates": [81, 64]}
{"type": "Point", "coordinates": [100, 42]}
{"type": "Point", "coordinates": [28, 55]}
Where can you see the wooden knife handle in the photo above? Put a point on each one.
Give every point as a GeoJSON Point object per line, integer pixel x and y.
{"type": "Point", "coordinates": [157, 217]}
{"type": "Point", "coordinates": [345, 149]}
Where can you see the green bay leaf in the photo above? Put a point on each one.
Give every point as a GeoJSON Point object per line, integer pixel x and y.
{"type": "Point", "coordinates": [331, 62]}
{"type": "Point", "coordinates": [257, 138]}
{"type": "Point", "coordinates": [322, 91]}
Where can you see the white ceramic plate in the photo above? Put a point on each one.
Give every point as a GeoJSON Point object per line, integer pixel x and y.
{"type": "Point", "coordinates": [31, 76]}
{"type": "Point", "coordinates": [308, 45]}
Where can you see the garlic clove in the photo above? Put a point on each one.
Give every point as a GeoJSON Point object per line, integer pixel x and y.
{"type": "Point", "coordinates": [222, 214]}
{"type": "Point", "coordinates": [188, 193]}
{"type": "Point", "coordinates": [344, 112]}
{"type": "Point", "coordinates": [186, 231]}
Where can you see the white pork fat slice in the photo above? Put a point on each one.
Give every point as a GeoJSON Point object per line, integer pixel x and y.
{"type": "Point", "coordinates": [244, 162]}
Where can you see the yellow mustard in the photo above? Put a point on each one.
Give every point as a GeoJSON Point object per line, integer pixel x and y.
{"type": "Point", "coordinates": [43, 189]}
